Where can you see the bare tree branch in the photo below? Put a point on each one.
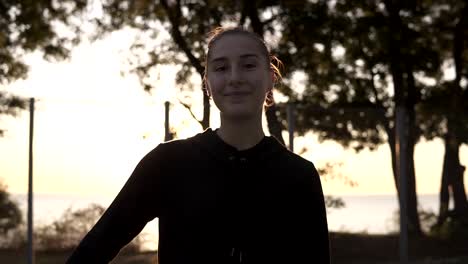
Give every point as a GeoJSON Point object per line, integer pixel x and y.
{"type": "Point", "coordinates": [189, 108]}
{"type": "Point", "coordinates": [174, 18]}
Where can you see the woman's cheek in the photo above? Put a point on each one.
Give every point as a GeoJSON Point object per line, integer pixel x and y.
{"type": "Point", "coordinates": [217, 85]}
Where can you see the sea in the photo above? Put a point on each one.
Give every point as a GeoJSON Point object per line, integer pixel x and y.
{"type": "Point", "coordinates": [372, 214]}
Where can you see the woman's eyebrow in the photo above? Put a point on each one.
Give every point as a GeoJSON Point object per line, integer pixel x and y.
{"type": "Point", "coordinates": [243, 56]}
{"type": "Point", "coordinates": [249, 55]}
{"type": "Point", "coordinates": [218, 59]}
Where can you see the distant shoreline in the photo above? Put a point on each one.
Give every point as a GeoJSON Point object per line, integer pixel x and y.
{"type": "Point", "coordinates": [370, 213]}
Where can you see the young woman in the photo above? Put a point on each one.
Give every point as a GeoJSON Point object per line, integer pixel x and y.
{"type": "Point", "coordinates": [230, 195]}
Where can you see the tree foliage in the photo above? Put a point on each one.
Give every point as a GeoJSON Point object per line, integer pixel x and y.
{"type": "Point", "coordinates": [448, 34]}
{"type": "Point", "coordinates": [62, 234]}
{"type": "Point", "coordinates": [360, 59]}
{"type": "Point", "coordinates": [187, 24]}
{"type": "Point", "coordinates": [363, 59]}
{"type": "Point", "coordinates": [50, 27]}
{"type": "Point", "coordinates": [68, 230]}
{"type": "Point", "coordinates": [329, 172]}
{"type": "Point", "coordinates": [10, 214]}
{"type": "Point", "coordinates": [10, 105]}
{"type": "Point", "coordinates": [344, 50]}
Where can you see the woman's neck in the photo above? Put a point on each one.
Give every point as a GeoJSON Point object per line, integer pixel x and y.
{"type": "Point", "coordinates": [241, 134]}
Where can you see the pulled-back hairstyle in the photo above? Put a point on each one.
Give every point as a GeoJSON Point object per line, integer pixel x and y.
{"type": "Point", "coordinates": [274, 63]}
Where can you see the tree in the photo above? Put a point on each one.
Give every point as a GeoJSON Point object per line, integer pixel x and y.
{"type": "Point", "coordinates": [69, 229]}
{"type": "Point", "coordinates": [328, 172]}
{"type": "Point", "coordinates": [445, 106]}
{"type": "Point", "coordinates": [10, 105]}
{"type": "Point", "coordinates": [188, 23]}
{"type": "Point", "coordinates": [361, 60]}
{"type": "Point", "coordinates": [10, 214]}
{"type": "Point", "coordinates": [66, 232]}
{"type": "Point", "coordinates": [50, 27]}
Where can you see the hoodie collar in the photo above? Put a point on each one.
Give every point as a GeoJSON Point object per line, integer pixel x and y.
{"type": "Point", "coordinates": [214, 145]}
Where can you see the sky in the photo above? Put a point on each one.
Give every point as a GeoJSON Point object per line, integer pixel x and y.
{"type": "Point", "coordinates": [93, 125]}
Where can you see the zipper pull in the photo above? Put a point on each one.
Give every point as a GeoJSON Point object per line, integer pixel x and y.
{"type": "Point", "coordinates": [233, 253]}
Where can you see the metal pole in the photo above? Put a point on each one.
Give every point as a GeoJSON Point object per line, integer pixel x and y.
{"type": "Point", "coordinates": [290, 114]}
{"type": "Point", "coordinates": [401, 148]}
{"type": "Point", "coordinates": [167, 132]}
{"type": "Point", "coordinates": [30, 184]}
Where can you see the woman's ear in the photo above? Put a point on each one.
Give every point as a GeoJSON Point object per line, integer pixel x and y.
{"type": "Point", "coordinates": [207, 90]}
{"type": "Point", "coordinates": [274, 79]}
{"type": "Point", "coordinates": [205, 86]}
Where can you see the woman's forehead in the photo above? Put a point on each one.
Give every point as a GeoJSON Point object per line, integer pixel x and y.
{"type": "Point", "coordinates": [222, 57]}
{"type": "Point", "coordinates": [235, 45]}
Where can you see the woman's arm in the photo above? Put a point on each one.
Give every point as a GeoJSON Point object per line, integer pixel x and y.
{"type": "Point", "coordinates": [310, 242]}
{"type": "Point", "coordinates": [321, 225]}
{"type": "Point", "coordinates": [138, 202]}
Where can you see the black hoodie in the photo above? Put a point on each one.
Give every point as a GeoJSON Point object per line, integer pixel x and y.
{"type": "Point", "coordinates": [216, 204]}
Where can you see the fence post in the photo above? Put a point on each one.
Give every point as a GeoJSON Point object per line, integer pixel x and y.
{"type": "Point", "coordinates": [30, 184]}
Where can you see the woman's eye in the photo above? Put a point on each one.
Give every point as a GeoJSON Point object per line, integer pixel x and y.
{"type": "Point", "coordinates": [249, 65]}
{"type": "Point", "coordinates": [220, 68]}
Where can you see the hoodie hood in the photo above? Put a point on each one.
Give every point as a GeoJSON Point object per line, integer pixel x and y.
{"type": "Point", "coordinates": [213, 145]}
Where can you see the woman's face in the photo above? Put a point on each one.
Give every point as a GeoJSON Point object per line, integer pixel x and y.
{"type": "Point", "coordinates": [238, 76]}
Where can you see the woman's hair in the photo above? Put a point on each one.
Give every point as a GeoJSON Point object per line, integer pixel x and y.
{"type": "Point", "coordinates": [271, 60]}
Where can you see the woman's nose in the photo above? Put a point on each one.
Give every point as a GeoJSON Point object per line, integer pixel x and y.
{"type": "Point", "coordinates": [235, 75]}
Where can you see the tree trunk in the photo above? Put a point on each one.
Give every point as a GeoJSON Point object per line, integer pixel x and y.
{"type": "Point", "coordinates": [452, 179]}
{"type": "Point", "coordinates": [174, 15]}
{"type": "Point", "coordinates": [412, 100]}
{"type": "Point", "coordinates": [414, 226]}
{"type": "Point", "coordinates": [456, 177]}
{"type": "Point", "coordinates": [405, 95]}
{"type": "Point", "coordinates": [452, 173]}
{"type": "Point", "coordinates": [205, 122]}
{"type": "Point", "coordinates": [274, 125]}
{"type": "Point", "coordinates": [391, 142]}
{"type": "Point", "coordinates": [444, 195]}
{"type": "Point", "coordinates": [459, 193]}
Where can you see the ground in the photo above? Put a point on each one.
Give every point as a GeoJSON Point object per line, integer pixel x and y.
{"type": "Point", "coordinates": [345, 248]}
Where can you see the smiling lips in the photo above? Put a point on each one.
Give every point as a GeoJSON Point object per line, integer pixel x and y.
{"type": "Point", "coordinates": [237, 93]}
{"type": "Point", "coordinates": [237, 96]}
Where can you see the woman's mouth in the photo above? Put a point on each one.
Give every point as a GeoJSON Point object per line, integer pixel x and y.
{"type": "Point", "coordinates": [237, 93]}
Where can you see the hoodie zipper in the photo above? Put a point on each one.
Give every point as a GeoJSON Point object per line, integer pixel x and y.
{"type": "Point", "coordinates": [234, 253]}
{"type": "Point", "coordinates": [237, 255]}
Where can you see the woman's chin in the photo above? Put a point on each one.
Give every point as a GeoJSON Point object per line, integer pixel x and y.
{"type": "Point", "coordinates": [237, 113]}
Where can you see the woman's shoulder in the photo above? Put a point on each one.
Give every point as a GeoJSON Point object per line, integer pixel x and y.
{"type": "Point", "coordinates": [166, 149]}
{"type": "Point", "coordinates": [302, 171]}
{"type": "Point", "coordinates": [296, 161]}
{"type": "Point", "coordinates": [170, 149]}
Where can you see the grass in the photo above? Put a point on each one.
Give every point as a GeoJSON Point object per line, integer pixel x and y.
{"type": "Point", "coordinates": [349, 248]}
{"type": "Point", "coordinates": [20, 257]}
{"type": "Point", "coordinates": [353, 248]}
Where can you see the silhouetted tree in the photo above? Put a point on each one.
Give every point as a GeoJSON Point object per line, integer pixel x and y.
{"type": "Point", "coordinates": [329, 172]}
{"type": "Point", "coordinates": [10, 214]}
{"type": "Point", "coordinates": [66, 232]}
{"type": "Point", "coordinates": [445, 107]}
{"type": "Point", "coordinates": [360, 60]}
{"type": "Point", "coordinates": [188, 23]}
{"type": "Point", "coordinates": [50, 27]}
